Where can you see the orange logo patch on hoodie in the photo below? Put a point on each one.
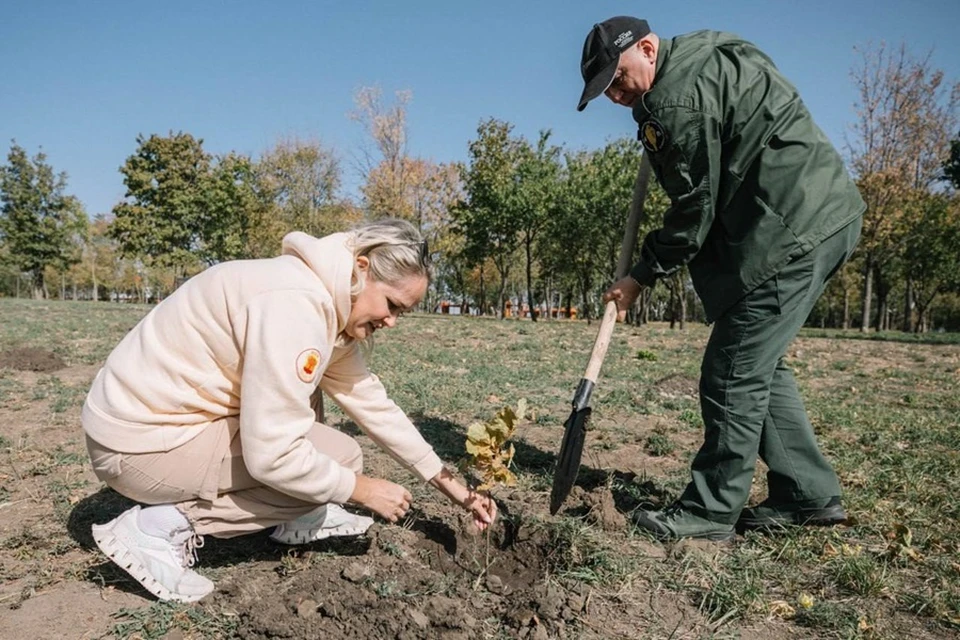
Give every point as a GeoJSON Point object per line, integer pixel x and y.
{"type": "Point", "coordinates": [307, 363]}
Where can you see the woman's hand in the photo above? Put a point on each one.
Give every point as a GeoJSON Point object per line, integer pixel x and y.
{"type": "Point", "coordinates": [483, 508]}
{"type": "Point", "coordinates": [480, 505]}
{"type": "Point", "coordinates": [388, 500]}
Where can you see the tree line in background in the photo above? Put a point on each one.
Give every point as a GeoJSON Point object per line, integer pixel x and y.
{"type": "Point", "coordinates": [521, 225]}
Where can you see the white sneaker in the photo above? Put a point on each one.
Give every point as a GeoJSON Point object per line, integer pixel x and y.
{"type": "Point", "coordinates": [161, 565]}
{"type": "Point", "coordinates": [324, 522]}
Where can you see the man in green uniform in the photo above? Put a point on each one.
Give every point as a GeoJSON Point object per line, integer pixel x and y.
{"type": "Point", "coordinates": [764, 213]}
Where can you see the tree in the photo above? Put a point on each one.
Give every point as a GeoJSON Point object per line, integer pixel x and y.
{"type": "Point", "coordinates": [231, 205]}
{"type": "Point", "coordinates": [386, 172]}
{"type": "Point", "coordinates": [932, 253]}
{"type": "Point", "coordinates": [587, 221]}
{"type": "Point", "coordinates": [569, 251]}
{"type": "Point", "coordinates": [297, 183]}
{"type": "Point", "coordinates": [98, 264]}
{"type": "Point", "coordinates": [164, 216]}
{"type": "Point", "coordinates": [537, 181]}
{"type": "Point", "coordinates": [38, 222]}
{"type": "Point", "coordinates": [905, 114]}
{"type": "Point", "coordinates": [489, 217]}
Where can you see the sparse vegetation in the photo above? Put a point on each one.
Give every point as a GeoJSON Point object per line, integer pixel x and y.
{"type": "Point", "coordinates": [887, 413]}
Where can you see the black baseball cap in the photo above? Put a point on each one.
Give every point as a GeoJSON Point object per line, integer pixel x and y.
{"type": "Point", "coordinates": [601, 53]}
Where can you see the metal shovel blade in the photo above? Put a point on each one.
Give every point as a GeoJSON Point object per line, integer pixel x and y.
{"type": "Point", "coordinates": [568, 462]}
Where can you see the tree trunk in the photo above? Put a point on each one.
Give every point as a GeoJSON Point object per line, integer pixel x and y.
{"type": "Point", "coordinates": [584, 295]}
{"type": "Point", "coordinates": [39, 286]}
{"type": "Point", "coordinates": [673, 306]}
{"type": "Point", "coordinates": [908, 307]}
{"type": "Point", "coordinates": [483, 296]}
{"type": "Point", "coordinates": [923, 311]}
{"type": "Point", "coordinates": [882, 295]}
{"type": "Point", "coordinates": [93, 277]}
{"type": "Point", "coordinates": [683, 305]}
{"type": "Point", "coordinates": [548, 295]}
{"type": "Point", "coordinates": [533, 313]}
{"type": "Point", "coordinates": [867, 295]}
{"type": "Point", "coordinates": [846, 308]}
{"type": "Point", "coordinates": [678, 305]}
{"type": "Point", "coordinates": [503, 293]}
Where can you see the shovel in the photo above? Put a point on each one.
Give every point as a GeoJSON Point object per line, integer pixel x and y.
{"type": "Point", "coordinates": [575, 428]}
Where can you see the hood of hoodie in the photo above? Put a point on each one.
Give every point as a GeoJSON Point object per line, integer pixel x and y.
{"type": "Point", "coordinates": [332, 260]}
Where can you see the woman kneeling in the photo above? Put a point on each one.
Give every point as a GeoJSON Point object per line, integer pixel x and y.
{"type": "Point", "coordinates": [206, 409]}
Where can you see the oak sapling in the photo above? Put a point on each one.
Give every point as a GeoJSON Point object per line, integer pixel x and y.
{"type": "Point", "coordinates": [489, 452]}
{"type": "Point", "coordinates": [490, 455]}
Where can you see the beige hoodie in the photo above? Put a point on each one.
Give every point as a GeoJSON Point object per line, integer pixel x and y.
{"type": "Point", "coordinates": [253, 338]}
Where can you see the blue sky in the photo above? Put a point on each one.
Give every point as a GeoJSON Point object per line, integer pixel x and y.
{"type": "Point", "coordinates": [82, 79]}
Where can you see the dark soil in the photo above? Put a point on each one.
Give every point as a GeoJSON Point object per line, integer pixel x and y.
{"type": "Point", "coordinates": [422, 580]}
{"type": "Point", "coordinates": [31, 359]}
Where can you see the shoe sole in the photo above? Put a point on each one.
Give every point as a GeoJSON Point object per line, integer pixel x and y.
{"type": "Point", "coordinates": [118, 552]}
{"type": "Point", "coordinates": [714, 537]}
{"type": "Point", "coordinates": [314, 535]}
{"type": "Point", "coordinates": [709, 537]}
{"type": "Point", "coordinates": [826, 517]}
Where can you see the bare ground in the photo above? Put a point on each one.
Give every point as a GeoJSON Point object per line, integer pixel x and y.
{"type": "Point", "coordinates": [430, 577]}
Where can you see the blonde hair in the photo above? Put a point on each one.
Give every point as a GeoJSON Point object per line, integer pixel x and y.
{"type": "Point", "coordinates": [395, 249]}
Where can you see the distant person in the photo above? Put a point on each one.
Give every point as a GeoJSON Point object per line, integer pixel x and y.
{"type": "Point", "coordinates": [204, 408]}
{"type": "Point", "coordinates": [764, 213]}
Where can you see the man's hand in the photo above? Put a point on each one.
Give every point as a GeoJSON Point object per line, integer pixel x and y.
{"type": "Point", "coordinates": [625, 291]}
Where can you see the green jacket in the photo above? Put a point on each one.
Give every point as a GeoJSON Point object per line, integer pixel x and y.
{"type": "Point", "coordinates": [753, 182]}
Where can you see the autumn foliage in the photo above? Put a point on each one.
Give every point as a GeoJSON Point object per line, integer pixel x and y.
{"type": "Point", "coordinates": [489, 452]}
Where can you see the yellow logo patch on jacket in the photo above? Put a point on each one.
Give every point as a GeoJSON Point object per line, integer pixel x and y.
{"type": "Point", "coordinates": [653, 136]}
{"type": "Point", "coordinates": [307, 364]}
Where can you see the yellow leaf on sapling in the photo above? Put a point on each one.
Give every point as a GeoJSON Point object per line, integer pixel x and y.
{"type": "Point", "coordinates": [477, 433]}
{"type": "Point", "coordinates": [489, 454]}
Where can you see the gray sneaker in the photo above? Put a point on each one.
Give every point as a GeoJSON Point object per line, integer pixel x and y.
{"type": "Point", "coordinates": [815, 513]}
{"type": "Point", "coordinates": [676, 522]}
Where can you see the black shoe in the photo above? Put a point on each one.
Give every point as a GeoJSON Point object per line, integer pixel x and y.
{"type": "Point", "coordinates": [815, 513]}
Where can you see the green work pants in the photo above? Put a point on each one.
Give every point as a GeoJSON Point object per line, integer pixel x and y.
{"type": "Point", "coordinates": [749, 398]}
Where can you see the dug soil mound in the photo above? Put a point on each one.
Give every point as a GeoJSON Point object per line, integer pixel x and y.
{"type": "Point", "coordinates": [423, 580]}
{"type": "Point", "coordinates": [31, 359]}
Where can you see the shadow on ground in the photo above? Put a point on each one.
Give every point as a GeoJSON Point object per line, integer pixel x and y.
{"type": "Point", "coordinates": [107, 504]}
{"type": "Point", "coordinates": [629, 490]}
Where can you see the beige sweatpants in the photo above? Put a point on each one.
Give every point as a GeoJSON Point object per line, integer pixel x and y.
{"type": "Point", "coordinates": [208, 482]}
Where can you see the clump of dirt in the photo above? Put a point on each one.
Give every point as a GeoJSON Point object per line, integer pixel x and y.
{"type": "Point", "coordinates": [427, 580]}
{"type": "Point", "coordinates": [677, 384]}
{"type": "Point", "coordinates": [603, 511]}
{"type": "Point", "coordinates": [31, 359]}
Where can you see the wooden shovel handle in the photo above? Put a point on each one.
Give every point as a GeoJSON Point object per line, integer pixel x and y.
{"type": "Point", "coordinates": [623, 265]}
{"type": "Point", "coordinates": [603, 341]}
